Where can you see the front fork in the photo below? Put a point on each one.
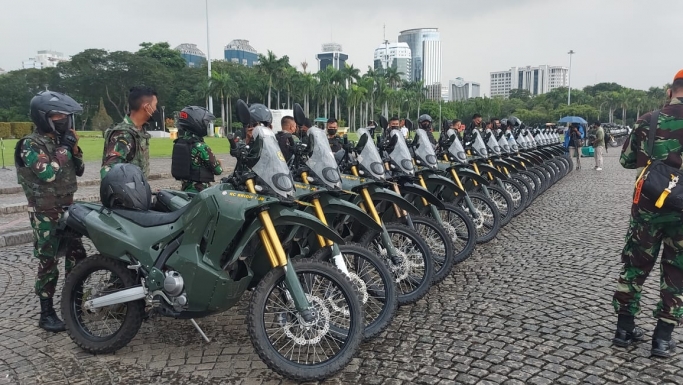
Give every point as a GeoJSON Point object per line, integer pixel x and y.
{"type": "Point", "coordinates": [470, 206]}
{"type": "Point", "coordinates": [278, 258]}
{"type": "Point", "coordinates": [337, 257]}
{"type": "Point", "coordinates": [369, 207]}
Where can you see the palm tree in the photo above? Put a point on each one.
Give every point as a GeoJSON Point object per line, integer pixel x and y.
{"type": "Point", "coordinates": [270, 66]}
{"type": "Point", "coordinates": [222, 86]}
{"type": "Point", "coordinates": [325, 89]}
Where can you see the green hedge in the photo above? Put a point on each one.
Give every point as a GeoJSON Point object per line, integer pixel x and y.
{"type": "Point", "coordinates": [21, 129]}
{"type": "Point", "coordinates": [5, 130]}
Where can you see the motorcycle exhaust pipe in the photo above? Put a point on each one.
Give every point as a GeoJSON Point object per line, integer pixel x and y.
{"type": "Point", "coordinates": [123, 296]}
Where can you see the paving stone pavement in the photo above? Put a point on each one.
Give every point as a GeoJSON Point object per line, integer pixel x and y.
{"type": "Point", "coordinates": [531, 307]}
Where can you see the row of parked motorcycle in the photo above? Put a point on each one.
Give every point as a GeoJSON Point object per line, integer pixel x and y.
{"type": "Point", "coordinates": [329, 245]}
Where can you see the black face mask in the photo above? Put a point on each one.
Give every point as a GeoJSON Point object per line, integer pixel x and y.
{"type": "Point", "coordinates": [62, 125]}
{"type": "Point", "coordinates": [425, 126]}
{"type": "Point", "coordinates": [331, 132]}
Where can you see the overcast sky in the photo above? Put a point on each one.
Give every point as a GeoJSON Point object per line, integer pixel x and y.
{"type": "Point", "coordinates": [631, 42]}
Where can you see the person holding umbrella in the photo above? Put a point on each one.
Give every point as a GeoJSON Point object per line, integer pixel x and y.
{"type": "Point", "coordinates": [573, 140]}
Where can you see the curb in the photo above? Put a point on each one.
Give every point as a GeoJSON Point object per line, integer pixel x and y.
{"type": "Point", "coordinates": [85, 183]}
{"type": "Point", "coordinates": [16, 238]}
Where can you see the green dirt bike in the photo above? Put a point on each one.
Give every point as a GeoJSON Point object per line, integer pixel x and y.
{"type": "Point", "coordinates": [305, 319]}
{"type": "Point", "coordinates": [405, 251]}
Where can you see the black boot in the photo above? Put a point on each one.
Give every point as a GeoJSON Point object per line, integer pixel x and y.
{"type": "Point", "coordinates": [627, 332]}
{"type": "Point", "coordinates": [662, 343]}
{"type": "Point", "coordinates": [48, 317]}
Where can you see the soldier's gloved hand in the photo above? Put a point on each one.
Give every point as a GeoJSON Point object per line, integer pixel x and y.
{"type": "Point", "coordinates": [68, 140]}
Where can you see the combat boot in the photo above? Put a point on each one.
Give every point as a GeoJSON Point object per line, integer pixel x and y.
{"type": "Point", "coordinates": [48, 317]}
{"type": "Point", "coordinates": [662, 343]}
{"type": "Point", "coordinates": [627, 332]}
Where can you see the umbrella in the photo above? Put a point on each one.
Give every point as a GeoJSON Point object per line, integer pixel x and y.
{"type": "Point", "coordinates": [573, 119]}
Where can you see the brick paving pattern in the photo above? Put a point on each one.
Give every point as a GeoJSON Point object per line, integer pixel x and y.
{"type": "Point", "coordinates": [531, 307]}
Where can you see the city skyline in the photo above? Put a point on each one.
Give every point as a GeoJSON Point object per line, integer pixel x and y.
{"type": "Point", "coordinates": [469, 48]}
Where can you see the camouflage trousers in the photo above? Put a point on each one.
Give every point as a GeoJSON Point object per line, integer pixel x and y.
{"type": "Point", "coordinates": [195, 187]}
{"type": "Point", "coordinates": [647, 231]}
{"type": "Point", "coordinates": [46, 247]}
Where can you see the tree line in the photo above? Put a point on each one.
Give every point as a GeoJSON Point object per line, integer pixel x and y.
{"type": "Point", "coordinates": [100, 81]}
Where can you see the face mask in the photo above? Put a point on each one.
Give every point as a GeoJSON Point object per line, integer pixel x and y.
{"type": "Point", "coordinates": [62, 125]}
{"type": "Point", "coordinates": [425, 126]}
{"type": "Point", "coordinates": [331, 131]}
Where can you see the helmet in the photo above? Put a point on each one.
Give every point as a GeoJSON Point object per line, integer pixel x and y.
{"type": "Point", "coordinates": [423, 118]}
{"type": "Point", "coordinates": [195, 119]}
{"type": "Point", "coordinates": [514, 121]}
{"type": "Point", "coordinates": [503, 122]}
{"type": "Point", "coordinates": [260, 114]}
{"type": "Point", "coordinates": [47, 103]}
{"type": "Point", "coordinates": [125, 186]}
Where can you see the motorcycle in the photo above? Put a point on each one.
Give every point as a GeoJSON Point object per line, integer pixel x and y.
{"type": "Point", "coordinates": [201, 258]}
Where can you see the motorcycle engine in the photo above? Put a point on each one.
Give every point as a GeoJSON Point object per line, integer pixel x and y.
{"type": "Point", "coordinates": [173, 283]}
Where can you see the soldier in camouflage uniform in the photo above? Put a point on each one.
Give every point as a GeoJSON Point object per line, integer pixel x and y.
{"type": "Point", "coordinates": [193, 162]}
{"type": "Point", "coordinates": [128, 141]}
{"type": "Point", "coordinates": [48, 161]}
{"type": "Point", "coordinates": [332, 137]}
{"type": "Point", "coordinates": [649, 228]}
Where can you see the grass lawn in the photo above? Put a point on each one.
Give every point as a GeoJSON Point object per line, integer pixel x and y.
{"type": "Point", "coordinates": [92, 144]}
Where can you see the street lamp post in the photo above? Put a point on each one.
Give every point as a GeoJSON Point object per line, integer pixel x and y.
{"type": "Point", "coordinates": [208, 59]}
{"type": "Point", "coordinates": [569, 94]}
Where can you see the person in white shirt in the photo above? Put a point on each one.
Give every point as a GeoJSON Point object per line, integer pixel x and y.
{"type": "Point", "coordinates": [404, 129]}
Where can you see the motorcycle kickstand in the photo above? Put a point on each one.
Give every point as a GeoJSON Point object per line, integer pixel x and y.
{"type": "Point", "coordinates": [194, 323]}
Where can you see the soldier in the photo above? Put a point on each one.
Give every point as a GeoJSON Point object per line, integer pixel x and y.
{"type": "Point", "coordinates": [332, 137]}
{"type": "Point", "coordinates": [649, 228]}
{"type": "Point", "coordinates": [128, 141]}
{"type": "Point", "coordinates": [192, 161]}
{"type": "Point", "coordinates": [285, 137]}
{"type": "Point", "coordinates": [48, 161]}
{"type": "Point", "coordinates": [425, 122]}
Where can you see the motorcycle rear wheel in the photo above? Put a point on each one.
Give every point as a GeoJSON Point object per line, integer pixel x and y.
{"type": "Point", "coordinates": [75, 315]}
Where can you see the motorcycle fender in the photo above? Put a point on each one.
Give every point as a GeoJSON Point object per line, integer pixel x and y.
{"type": "Point", "coordinates": [285, 216]}
{"type": "Point", "coordinates": [517, 164]}
{"type": "Point", "coordinates": [466, 172]}
{"type": "Point", "coordinates": [410, 188]}
{"type": "Point", "coordinates": [382, 194]}
{"type": "Point", "coordinates": [435, 182]}
{"type": "Point", "coordinates": [338, 206]}
{"type": "Point", "coordinates": [494, 171]}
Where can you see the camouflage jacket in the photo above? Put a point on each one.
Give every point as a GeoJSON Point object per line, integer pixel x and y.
{"type": "Point", "coordinates": [125, 143]}
{"type": "Point", "coordinates": [668, 140]}
{"type": "Point", "coordinates": [202, 156]}
{"type": "Point", "coordinates": [46, 172]}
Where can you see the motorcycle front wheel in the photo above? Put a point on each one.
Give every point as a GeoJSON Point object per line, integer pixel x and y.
{"type": "Point", "coordinates": [374, 281]}
{"type": "Point", "coordinates": [291, 346]}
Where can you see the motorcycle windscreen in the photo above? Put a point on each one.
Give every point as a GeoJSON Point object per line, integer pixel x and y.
{"type": "Point", "coordinates": [424, 150]}
{"type": "Point", "coordinates": [529, 138]}
{"type": "Point", "coordinates": [369, 158]}
{"type": "Point", "coordinates": [401, 154]}
{"type": "Point", "coordinates": [478, 144]}
{"type": "Point", "coordinates": [321, 160]}
{"type": "Point", "coordinates": [456, 149]}
{"type": "Point", "coordinates": [514, 146]}
{"type": "Point", "coordinates": [503, 143]}
{"type": "Point", "coordinates": [271, 166]}
{"type": "Point", "coordinates": [492, 143]}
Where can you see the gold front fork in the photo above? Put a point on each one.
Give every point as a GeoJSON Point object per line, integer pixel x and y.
{"type": "Point", "coordinates": [319, 213]}
{"type": "Point", "coordinates": [268, 235]}
{"type": "Point", "coordinates": [455, 176]}
{"type": "Point", "coordinates": [368, 201]}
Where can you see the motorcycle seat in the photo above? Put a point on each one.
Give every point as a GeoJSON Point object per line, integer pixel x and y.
{"type": "Point", "coordinates": [150, 218]}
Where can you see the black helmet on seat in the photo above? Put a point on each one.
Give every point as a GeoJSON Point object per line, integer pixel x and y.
{"type": "Point", "coordinates": [125, 186]}
{"type": "Point", "coordinates": [195, 119]}
{"type": "Point", "coordinates": [260, 114]}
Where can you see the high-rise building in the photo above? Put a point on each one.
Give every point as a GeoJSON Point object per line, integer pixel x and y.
{"type": "Point", "coordinates": [425, 48]}
{"type": "Point", "coordinates": [395, 55]}
{"type": "Point", "coordinates": [460, 89]}
{"type": "Point", "coordinates": [239, 51]}
{"type": "Point", "coordinates": [45, 59]}
{"type": "Point", "coordinates": [536, 80]}
{"type": "Point", "coordinates": [331, 55]}
{"type": "Point", "coordinates": [193, 56]}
